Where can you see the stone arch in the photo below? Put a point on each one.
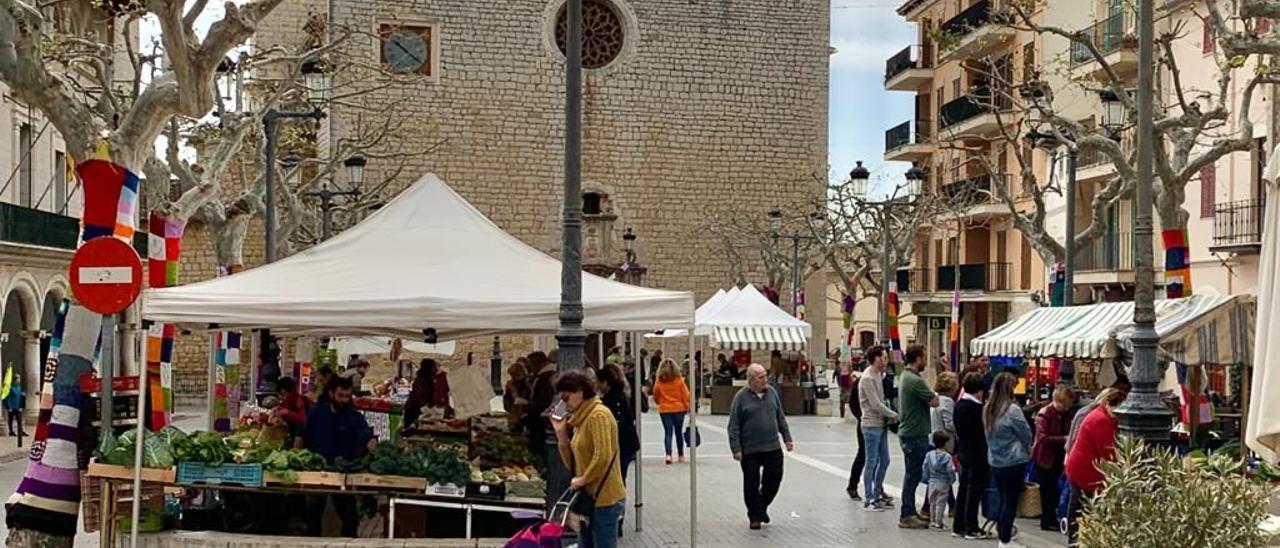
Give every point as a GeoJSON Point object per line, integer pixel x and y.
{"type": "Point", "coordinates": [20, 323]}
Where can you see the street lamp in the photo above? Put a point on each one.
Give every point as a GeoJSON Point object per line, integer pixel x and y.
{"type": "Point", "coordinates": [859, 177]}
{"type": "Point", "coordinates": [355, 178]}
{"type": "Point", "coordinates": [1036, 94]}
{"type": "Point", "coordinates": [915, 180]}
{"type": "Point", "coordinates": [1143, 414]}
{"type": "Point", "coordinates": [317, 81]}
{"type": "Point", "coordinates": [1112, 112]}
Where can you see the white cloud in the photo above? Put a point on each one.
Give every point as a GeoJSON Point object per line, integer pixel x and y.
{"type": "Point", "coordinates": [866, 33]}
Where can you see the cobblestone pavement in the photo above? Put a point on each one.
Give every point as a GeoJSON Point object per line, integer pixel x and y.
{"type": "Point", "coordinates": [812, 509]}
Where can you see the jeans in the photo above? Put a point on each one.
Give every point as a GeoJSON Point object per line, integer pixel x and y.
{"type": "Point", "coordinates": [759, 489]}
{"type": "Point", "coordinates": [939, 493]}
{"type": "Point", "coordinates": [1009, 483]}
{"type": "Point", "coordinates": [859, 462]}
{"type": "Point", "coordinates": [602, 530]}
{"type": "Point", "coordinates": [1049, 495]}
{"type": "Point", "coordinates": [914, 448]}
{"type": "Point", "coordinates": [877, 439]}
{"type": "Point", "coordinates": [673, 427]}
{"type": "Point", "coordinates": [344, 506]}
{"type": "Point", "coordinates": [973, 482]}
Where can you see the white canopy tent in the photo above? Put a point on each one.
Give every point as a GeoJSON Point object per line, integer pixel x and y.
{"type": "Point", "coordinates": [426, 260]}
{"type": "Point", "coordinates": [1262, 427]}
{"type": "Point", "coordinates": [749, 321]}
{"type": "Point", "coordinates": [346, 346]}
{"type": "Point", "coordinates": [710, 306]}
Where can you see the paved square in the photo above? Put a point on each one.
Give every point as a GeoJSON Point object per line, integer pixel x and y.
{"type": "Point", "coordinates": [811, 510]}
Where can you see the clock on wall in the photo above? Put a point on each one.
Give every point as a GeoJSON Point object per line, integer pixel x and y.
{"type": "Point", "coordinates": [406, 49]}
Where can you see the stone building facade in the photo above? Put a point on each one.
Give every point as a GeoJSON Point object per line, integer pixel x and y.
{"type": "Point", "coordinates": [690, 109]}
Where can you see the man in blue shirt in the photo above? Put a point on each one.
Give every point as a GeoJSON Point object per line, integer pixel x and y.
{"type": "Point", "coordinates": [335, 429]}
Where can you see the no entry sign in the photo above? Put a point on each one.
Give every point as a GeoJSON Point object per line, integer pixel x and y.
{"type": "Point", "coordinates": [106, 275]}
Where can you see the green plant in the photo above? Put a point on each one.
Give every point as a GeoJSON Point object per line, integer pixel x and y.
{"type": "Point", "coordinates": [1153, 497]}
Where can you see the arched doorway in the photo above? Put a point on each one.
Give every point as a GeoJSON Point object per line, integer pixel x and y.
{"type": "Point", "coordinates": [48, 314]}
{"type": "Point", "coordinates": [19, 337]}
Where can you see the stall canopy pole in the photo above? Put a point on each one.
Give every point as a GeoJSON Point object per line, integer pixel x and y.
{"type": "Point", "coordinates": [600, 349]}
{"type": "Point", "coordinates": [637, 392]}
{"type": "Point", "coordinates": [693, 449]}
{"type": "Point", "coordinates": [143, 396]}
{"type": "Point", "coordinates": [211, 376]}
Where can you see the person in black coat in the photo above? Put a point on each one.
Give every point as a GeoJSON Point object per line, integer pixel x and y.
{"type": "Point", "coordinates": [859, 461]}
{"type": "Point", "coordinates": [617, 398]}
{"type": "Point", "coordinates": [971, 447]}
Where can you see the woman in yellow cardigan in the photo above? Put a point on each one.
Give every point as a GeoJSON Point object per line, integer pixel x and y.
{"type": "Point", "coordinates": [593, 454]}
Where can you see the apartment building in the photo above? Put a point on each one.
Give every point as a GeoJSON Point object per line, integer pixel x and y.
{"type": "Point", "coordinates": [964, 70]}
{"type": "Point", "coordinates": [1226, 201]}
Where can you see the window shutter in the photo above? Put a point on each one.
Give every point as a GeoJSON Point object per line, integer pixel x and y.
{"type": "Point", "coordinates": [1207, 44]}
{"type": "Point", "coordinates": [1262, 25]}
{"type": "Point", "coordinates": [1208, 176]}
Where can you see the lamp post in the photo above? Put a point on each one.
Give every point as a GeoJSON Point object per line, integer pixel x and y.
{"type": "Point", "coordinates": [1143, 414]}
{"type": "Point", "coordinates": [860, 178]}
{"type": "Point", "coordinates": [316, 80]}
{"type": "Point", "coordinates": [355, 176]}
{"type": "Point", "coordinates": [1035, 93]}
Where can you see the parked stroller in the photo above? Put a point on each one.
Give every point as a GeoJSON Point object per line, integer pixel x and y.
{"type": "Point", "coordinates": [549, 531]}
{"type": "Point", "coordinates": [991, 510]}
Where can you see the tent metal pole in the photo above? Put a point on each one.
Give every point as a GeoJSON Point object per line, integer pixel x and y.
{"type": "Point", "coordinates": [600, 349]}
{"type": "Point", "coordinates": [637, 392]}
{"type": "Point", "coordinates": [143, 395]}
{"type": "Point", "coordinates": [211, 376]}
{"type": "Point", "coordinates": [693, 448]}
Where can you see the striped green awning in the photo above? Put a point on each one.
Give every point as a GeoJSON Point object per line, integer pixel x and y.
{"type": "Point", "coordinates": [758, 338]}
{"type": "Point", "coordinates": [1016, 337]}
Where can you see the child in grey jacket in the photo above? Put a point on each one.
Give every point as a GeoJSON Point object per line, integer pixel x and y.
{"type": "Point", "coordinates": [939, 474]}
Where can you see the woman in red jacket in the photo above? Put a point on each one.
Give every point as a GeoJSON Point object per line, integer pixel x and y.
{"type": "Point", "coordinates": [1096, 441]}
{"type": "Point", "coordinates": [1049, 452]}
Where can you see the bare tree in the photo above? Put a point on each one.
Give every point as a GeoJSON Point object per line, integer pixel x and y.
{"type": "Point", "coordinates": [1194, 128]}
{"type": "Point", "coordinates": [749, 237]}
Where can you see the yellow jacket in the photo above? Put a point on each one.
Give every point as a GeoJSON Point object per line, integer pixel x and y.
{"type": "Point", "coordinates": [593, 447]}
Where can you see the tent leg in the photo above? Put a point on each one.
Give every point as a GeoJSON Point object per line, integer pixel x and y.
{"type": "Point", "coordinates": [137, 456]}
{"type": "Point", "coordinates": [693, 448]}
{"type": "Point", "coordinates": [637, 392]}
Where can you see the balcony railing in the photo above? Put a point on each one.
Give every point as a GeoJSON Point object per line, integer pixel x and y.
{"type": "Point", "coordinates": [909, 58]}
{"type": "Point", "coordinates": [29, 226]}
{"type": "Point", "coordinates": [1238, 224]}
{"type": "Point", "coordinates": [976, 277]}
{"type": "Point", "coordinates": [976, 103]}
{"type": "Point", "coordinates": [976, 16]}
{"type": "Point", "coordinates": [914, 280]}
{"type": "Point", "coordinates": [1108, 253]}
{"type": "Point", "coordinates": [978, 189]}
{"type": "Point", "coordinates": [1107, 35]}
{"type": "Point", "coordinates": [901, 135]}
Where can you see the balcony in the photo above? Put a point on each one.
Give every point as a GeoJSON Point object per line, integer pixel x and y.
{"type": "Point", "coordinates": [974, 115]}
{"type": "Point", "coordinates": [976, 196]}
{"type": "Point", "coordinates": [909, 69]}
{"type": "Point", "coordinates": [1092, 165]}
{"type": "Point", "coordinates": [901, 144]}
{"type": "Point", "coordinates": [914, 280]}
{"type": "Point", "coordinates": [1115, 40]}
{"type": "Point", "coordinates": [987, 277]}
{"type": "Point", "coordinates": [975, 32]}
{"type": "Point", "coordinates": [23, 225]}
{"type": "Point", "coordinates": [1237, 227]}
{"type": "Point", "coordinates": [1106, 260]}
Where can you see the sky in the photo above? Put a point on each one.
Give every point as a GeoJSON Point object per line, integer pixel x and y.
{"type": "Point", "coordinates": [865, 33]}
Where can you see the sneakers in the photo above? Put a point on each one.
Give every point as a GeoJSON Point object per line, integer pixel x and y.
{"type": "Point", "coordinates": [912, 522]}
{"type": "Point", "coordinates": [938, 526]}
{"type": "Point", "coordinates": [977, 535]}
{"type": "Point", "coordinates": [886, 501]}
{"type": "Point", "coordinates": [873, 506]}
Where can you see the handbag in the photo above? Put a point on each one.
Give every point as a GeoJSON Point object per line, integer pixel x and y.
{"type": "Point", "coordinates": [584, 504]}
{"type": "Point", "coordinates": [692, 438]}
{"type": "Point", "coordinates": [1029, 501]}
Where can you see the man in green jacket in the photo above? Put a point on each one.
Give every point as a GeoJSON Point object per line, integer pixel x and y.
{"type": "Point", "coordinates": [915, 398]}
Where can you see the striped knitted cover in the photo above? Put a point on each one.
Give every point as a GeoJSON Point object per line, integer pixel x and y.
{"type": "Point", "coordinates": [955, 329]}
{"type": "Point", "coordinates": [164, 247]}
{"type": "Point", "coordinates": [1177, 263]}
{"type": "Point", "coordinates": [226, 395]}
{"type": "Point", "coordinates": [846, 318]}
{"type": "Point", "coordinates": [895, 339]}
{"type": "Point", "coordinates": [799, 300]}
{"type": "Point", "coordinates": [48, 498]}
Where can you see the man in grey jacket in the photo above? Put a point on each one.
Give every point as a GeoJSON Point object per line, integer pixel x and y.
{"type": "Point", "coordinates": [875, 416]}
{"type": "Point", "coordinates": [755, 422]}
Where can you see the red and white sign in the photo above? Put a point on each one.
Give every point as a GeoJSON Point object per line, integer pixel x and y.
{"type": "Point", "coordinates": [106, 275]}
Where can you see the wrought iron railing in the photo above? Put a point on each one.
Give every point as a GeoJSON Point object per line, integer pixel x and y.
{"type": "Point", "coordinates": [25, 225]}
{"type": "Point", "coordinates": [914, 280]}
{"type": "Point", "coordinates": [976, 16]}
{"type": "Point", "coordinates": [902, 135]}
{"type": "Point", "coordinates": [1108, 35]}
{"type": "Point", "coordinates": [976, 277]}
{"type": "Point", "coordinates": [1107, 253]}
{"type": "Point", "coordinates": [1238, 223]}
{"type": "Point", "coordinates": [977, 189]}
{"type": "Point", "coordinates": [981, 100]}
{"type": "Point", "coordinates": [909, 58]}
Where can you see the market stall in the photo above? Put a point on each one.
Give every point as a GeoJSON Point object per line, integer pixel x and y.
{"type": "Point", "coordinates": [749, 322]}
{"type": "Point", "coordinates": [456, 282]}
{"type": "Point", "coordinates": [1263, 424]}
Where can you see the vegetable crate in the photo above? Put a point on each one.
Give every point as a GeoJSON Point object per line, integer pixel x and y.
{"type": "Point", "coordinates": [377, 481]}
{"type": "Point", "coordinates": [194, 473]}
{"type": "Point", "coordinates": [308, 479]}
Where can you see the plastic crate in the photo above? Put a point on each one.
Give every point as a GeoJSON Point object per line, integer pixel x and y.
{"type": "Point", "coordinates": [194, 473]}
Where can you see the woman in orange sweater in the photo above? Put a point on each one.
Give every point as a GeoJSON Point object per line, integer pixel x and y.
{"type": "Point", "coordinates": [672, 396]}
